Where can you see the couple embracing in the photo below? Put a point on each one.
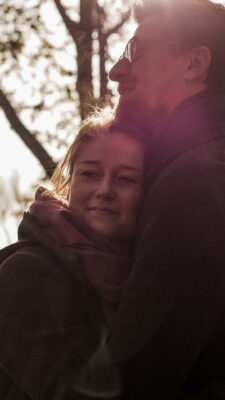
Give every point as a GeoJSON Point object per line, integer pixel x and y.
{"type": "Point", "coordinates": [116, 287]}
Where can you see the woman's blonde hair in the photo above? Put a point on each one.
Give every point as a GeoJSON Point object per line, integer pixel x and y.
{"type": "Point", "coordinates": [94, 125]}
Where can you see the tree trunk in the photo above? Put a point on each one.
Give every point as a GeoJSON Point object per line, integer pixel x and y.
{"type": "Point", "coordinates": [83, 39]}
{"type": "Point", "coordinates": [84, 85]}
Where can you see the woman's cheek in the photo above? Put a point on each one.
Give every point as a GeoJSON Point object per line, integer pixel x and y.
{"type": "Point", "coordinates": [134, 200]}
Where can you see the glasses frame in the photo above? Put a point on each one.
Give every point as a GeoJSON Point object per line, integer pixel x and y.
{"type": "Point", "coordinates": [133, 45]}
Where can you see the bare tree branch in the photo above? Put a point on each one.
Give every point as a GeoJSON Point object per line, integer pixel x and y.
{"type": "Point", "coordinates": [71, 25]}
{"type": "Point", "coordinates": [124, 18]}
{"type": "Point", "coordinates": [30, 141]}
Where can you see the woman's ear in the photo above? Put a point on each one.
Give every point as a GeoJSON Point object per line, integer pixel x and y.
{"type": "Point", "coordinates": [199, 61]}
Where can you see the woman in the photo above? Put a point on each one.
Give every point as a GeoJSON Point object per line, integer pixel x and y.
{"type": "Point", "coordinates": [60, 284]}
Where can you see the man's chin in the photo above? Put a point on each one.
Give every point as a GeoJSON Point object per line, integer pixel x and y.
{"type": "Point", "coordinates": [134, 112]}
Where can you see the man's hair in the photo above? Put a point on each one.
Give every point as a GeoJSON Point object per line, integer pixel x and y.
{"type": "Point", "coordinates": [194, 23]}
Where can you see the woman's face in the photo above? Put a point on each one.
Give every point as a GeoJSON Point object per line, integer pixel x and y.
{"type": "Point", "coordinates": [107, 184]}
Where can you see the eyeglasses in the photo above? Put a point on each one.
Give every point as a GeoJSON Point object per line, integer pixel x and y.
{"type": "Point", "coordinates": [136, 47]}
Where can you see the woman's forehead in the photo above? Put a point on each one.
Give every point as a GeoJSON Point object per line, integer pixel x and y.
{"type": "Point", "coordinates": [111, 148]}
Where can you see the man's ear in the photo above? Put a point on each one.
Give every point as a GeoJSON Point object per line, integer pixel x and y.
{"type": "Point", "coordinates": [199, 61]}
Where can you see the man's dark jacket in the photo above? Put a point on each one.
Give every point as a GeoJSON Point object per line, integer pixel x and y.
{"type": "Point", "coordinates": [170, 331]}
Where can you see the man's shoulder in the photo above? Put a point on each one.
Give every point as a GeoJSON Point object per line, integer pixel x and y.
{"type": "Point", "coordinates": [186, 201]}
{"type": "Point", "coordinates": [192, 183]}
{"type": "Point", "coordinates": [204, 164]}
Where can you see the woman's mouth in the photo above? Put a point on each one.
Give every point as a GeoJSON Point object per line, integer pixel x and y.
{"type": "Point", "coordinates": [103, 210]}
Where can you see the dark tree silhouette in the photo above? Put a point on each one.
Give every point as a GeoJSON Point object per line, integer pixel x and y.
{"type": "Point", "coordinates": [87, 22]}
{"type": "Point", "coordinates": [30, 140]}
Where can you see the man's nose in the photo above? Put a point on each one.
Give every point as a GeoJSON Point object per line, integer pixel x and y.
{"type": "Point", "coordinates": [120, 70]}
{"type": "Point", "coordinates": [105, 189]}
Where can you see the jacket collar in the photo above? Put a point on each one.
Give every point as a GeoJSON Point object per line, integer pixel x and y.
{"type": "Point", "coordinates": [198, 120]}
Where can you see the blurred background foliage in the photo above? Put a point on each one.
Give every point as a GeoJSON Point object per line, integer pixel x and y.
{"type": "Point", "coordinates": [55, 56]}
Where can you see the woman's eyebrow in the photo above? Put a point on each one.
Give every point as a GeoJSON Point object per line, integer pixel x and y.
{"type": "Point", "coordinates": [89, 162]}
{"type": "Point", "coordinates": [121, 166]}
{"type": "Point", "coordinates": [124, 166]}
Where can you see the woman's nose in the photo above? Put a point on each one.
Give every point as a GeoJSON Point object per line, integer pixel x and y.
{"type": "Point", "coordinates": [120, 70]}
{"type": "Point", "coordinates": [105, 189]}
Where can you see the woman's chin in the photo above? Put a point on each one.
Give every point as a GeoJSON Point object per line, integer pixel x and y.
{"type": "Point", "coordinates": [104, 229]}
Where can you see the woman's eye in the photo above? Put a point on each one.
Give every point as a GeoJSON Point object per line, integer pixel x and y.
{"type": "Point", "coordinates": [90, 174]}
{"type": "Point", "coordinates": [126, 179]}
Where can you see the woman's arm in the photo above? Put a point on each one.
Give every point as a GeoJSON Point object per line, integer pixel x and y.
{"type": "Point", "coordinates": [45, 335]}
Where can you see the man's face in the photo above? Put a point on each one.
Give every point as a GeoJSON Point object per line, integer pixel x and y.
{"type": "Point", "coordinates": [156, 77]}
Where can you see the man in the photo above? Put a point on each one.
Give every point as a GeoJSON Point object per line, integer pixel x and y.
{"type": "Point", "coordinates": [170, 332]}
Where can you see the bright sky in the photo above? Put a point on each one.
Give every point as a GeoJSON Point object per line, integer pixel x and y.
{"type": "Point", "coordinates": [14, 155]}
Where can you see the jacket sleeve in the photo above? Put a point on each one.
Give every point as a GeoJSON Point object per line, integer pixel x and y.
{"type": "Point", "coordinates": [175, 294]}
{"type": "Point", "coordinates": [45, 336]}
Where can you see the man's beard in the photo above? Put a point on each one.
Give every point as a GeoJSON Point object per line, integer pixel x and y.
{"type": "Point", "coordinates": [136, 116]}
